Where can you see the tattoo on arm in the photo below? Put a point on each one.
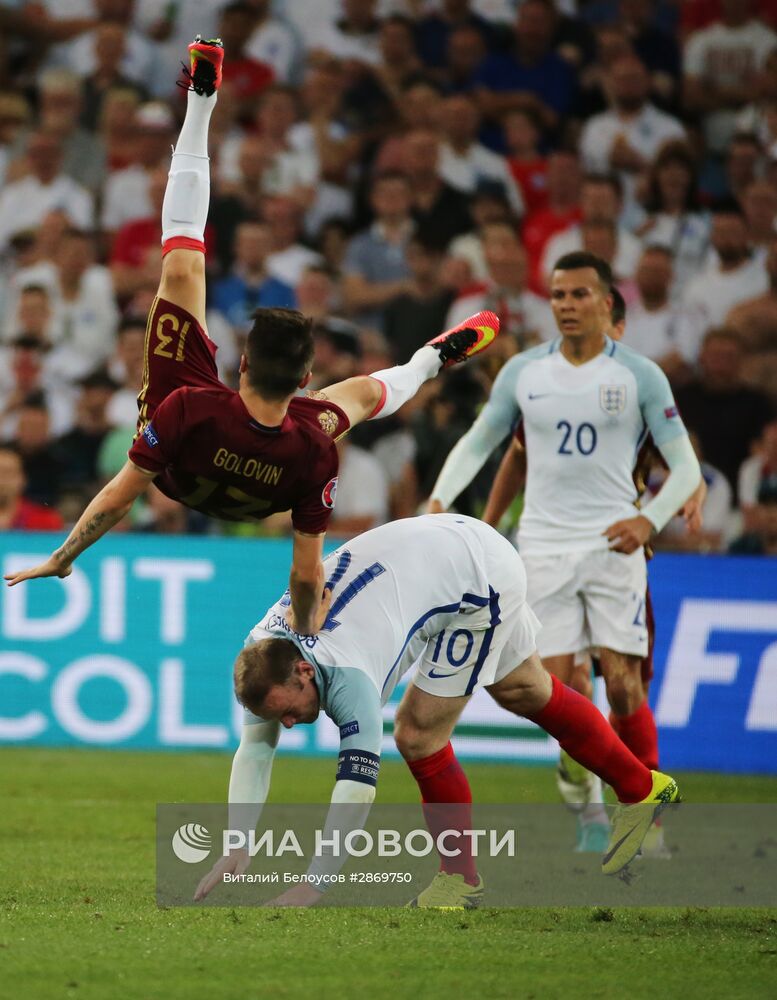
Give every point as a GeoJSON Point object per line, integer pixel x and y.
{"type": "Point", "coordinates": [77, 543]}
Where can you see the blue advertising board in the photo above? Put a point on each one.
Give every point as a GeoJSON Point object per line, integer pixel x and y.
{"type": "Point", "coordinates": [135, 650]}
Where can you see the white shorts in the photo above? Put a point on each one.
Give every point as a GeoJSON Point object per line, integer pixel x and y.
{"type": "Point", "coordinates": [594, 598]}
{"type": "Point", "coordinates": [478, 649]}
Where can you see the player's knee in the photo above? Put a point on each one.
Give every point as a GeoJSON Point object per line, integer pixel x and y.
{"type": "Point", "coordinates": [410, 739]}
{"type": "Point", "coordinates": [624, 688]}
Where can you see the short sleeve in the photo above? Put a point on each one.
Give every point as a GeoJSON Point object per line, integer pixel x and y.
{"type": "Point", "coordinates": [693, 58]}
{"type": "Point", "coordinates": [657, 404]}
{"type": "Point", "coordinates": [312, 512]}
{"type": "Point", "coordinates": [352, 702]}
{"type": "Point", "coordinates": [158, 445]}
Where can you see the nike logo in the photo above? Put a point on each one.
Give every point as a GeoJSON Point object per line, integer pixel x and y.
{"type": "Point", "coordinates": [539, 395]}
{"type": "Point", "coordinates": [615, 847]}
{"type": "Point", "coordinates": [436, 676]}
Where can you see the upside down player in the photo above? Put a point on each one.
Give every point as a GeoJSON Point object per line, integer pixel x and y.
{"type": "Point", "coordinates": [248, 454]}
{"type": "Point", "coordinates": [580, 789]}
{"type": "Point", "coordinates": [443, 596]}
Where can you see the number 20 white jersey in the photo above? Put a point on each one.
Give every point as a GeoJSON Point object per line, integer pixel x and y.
{"type": "Point", "coordinates": [584, 426]}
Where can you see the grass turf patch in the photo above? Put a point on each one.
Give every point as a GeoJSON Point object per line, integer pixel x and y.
{"type": "Point", "coordinates": [78, 917]}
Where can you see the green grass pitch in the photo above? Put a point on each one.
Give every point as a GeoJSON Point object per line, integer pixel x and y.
{"type": "Point", "coordinates": [78, 917]}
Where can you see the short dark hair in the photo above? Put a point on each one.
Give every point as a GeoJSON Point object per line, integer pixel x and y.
{"type": "Point", "coordinates": [618, 311]}
{"type": "Point", "coordinates": [580, 259]}
{"type": "Point", "coordinates": [258, 668]}
{"type": "Point", "coordinates": [279, 351]}
{"type": "Point", "coordinates": [611, 180]}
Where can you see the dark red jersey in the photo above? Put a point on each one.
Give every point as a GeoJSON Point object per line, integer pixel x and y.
{"type": "Point", "coordinates": [206, 450]}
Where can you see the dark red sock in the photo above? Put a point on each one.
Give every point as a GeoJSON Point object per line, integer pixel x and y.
{"type": "Point", "coordinates": [583, 732]}
{"type": "Point", "coordinates": [447, 800]}
{"type": "Point", "coordinates": [638, 732]}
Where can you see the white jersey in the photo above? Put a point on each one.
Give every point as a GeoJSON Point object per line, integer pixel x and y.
{"type": "Point", "coordinates": [391, 594]}
{"type": "Point", "coordinates": [583, 426]}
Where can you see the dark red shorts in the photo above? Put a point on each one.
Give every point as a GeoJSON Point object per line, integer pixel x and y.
{"type": "Point", "coordinates": [177, 353]}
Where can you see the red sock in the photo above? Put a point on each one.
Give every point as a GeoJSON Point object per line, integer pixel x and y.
{"type": "Point", "coordinates": [638, 732]}
{"type": "Point", "coordinates": [583, 732]}
{"type": "Point", "coordinates": [444, 787]}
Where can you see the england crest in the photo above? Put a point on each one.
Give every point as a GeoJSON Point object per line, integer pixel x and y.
{"type": "Point", "coordinates": [612, 399]}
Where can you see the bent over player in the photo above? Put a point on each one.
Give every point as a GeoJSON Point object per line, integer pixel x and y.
{"type": "Point", "coordinates": [242, 455]}
{"type": "Point", "coordinates": [445, 596]}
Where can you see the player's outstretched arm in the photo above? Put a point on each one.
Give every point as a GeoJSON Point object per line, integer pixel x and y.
{"type": "Point", "coordinates": [306, 583]}
{"type": "Point", "coordinates": [508, 482]}
{"type": "Point", "coordinates": [110, 505]}
{"type": "Point", "coordinates": [249, 784]}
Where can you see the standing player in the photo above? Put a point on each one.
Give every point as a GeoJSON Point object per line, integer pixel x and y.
{"type": "Point", "coordinates": [579, 788]}
{"type": "Point", "coordinates": [242, 455]}
{"type": "Point", "coordinates": [586, 405]}
{"type": "Point", "coordinates": [445, 595]}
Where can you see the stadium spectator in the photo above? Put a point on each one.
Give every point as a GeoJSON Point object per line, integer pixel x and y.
{"type": "Point", "coordinates": [755, 321]}
{"type": "Point", "coordinates": [376, 268]}
{"type": "Point", "coordinates": [244, 75]}
{"type": "Point", "coordinates": [656, 47]}
{"type": "Point", "coordinates": [418, 314]}
{"type": "Point", "coordinates": [419, 108]}
{"type": "Point", "coordinates": [654, 326]}
{"type": "Point", "coordinates": [316, 294]}
{"type": "Point", "coordinates": [760, 117]}
{"type": "Point", "coordinates": [288, 257]}
{"type": "Point", "coordinates": [115, 123]}
{"type": "Point", "coordinates": [248, 286]}
{"type": "Point", "coordinates": [759, 207]}
{"type": "Point", "coordinates": [17, 512]}
{"type": "Point", "coordinates": [78, 450]}
{"type": "Point", "coordinates": [525, 318]}
{"type": "Point", "coordinates": [107, 76]}
{"type": "Point", "coordinates": [24, 373]}
{"type": "Point", "coordinates": [435, 32]}
{"type": "Point", "coordinates": [134, 260]}
{"type": "Point", "coordinates": [626, 138]}
{"type": "Point", "coordinates": [355, 37]}
{"type": "Point", "coordinates": [675, 219]}
{"type": "Point", "coordinates": [601, 197]}
{"type": "Point", "coordinates": [439, 210]}
{"type": "Point", "coordinates": [465, 253]}
{"type": "Point", "coordinates": [465, 162]}
{"type": "Point", "coordinates": [60, 102]}
{"type": "Point", "coordinates": [527, 165]}
{"type": "Point", "coordinates": [719, 65]}
{"type": "Point", "coordinates": [126, 368]}
{"type": "Point", "coordinates": [399, 62]}
{"type": "Point", "coordinates": [43, 467]}
{"type": "Point", "coordinates": [362, 492]}
{"type": "Point", "coordinates": [743, 165]}
{"type": "Point", "coordinates": [727, 416]}
{"type": "Point", "coordinates": [758, 497]}
{"type": "Point", "coordinates": [127, 191]}
{"type": "Point", "coordinates": [560, 214]}
{"type": "Point", "coordinates": [30, 312]}
{"type": "Point", "coordinates": [272, 42]}
{"type": "Point", "coordinates": [531, 75]}
{"type": "Point", "coordinates": [464, 55]}
{"type": "Point", "coordinates": [737, 277]}
{"type": "Point", "coordinates": [25, 202]}
{"type": "Point", "coordinates": [138, 54]}
{"type": "Point", "coordinates": [611, 44]}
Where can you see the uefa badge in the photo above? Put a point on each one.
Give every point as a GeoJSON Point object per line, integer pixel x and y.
{"type": "Point", "coordinates": [612, 399]}
{"type": "Point", "coordinates": [329, 493]}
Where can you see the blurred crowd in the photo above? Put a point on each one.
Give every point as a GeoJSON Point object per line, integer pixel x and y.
{"type": "Point", "coordinates": [390, 167]}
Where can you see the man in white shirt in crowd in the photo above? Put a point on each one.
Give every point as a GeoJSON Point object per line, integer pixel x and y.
{"type": "Point", "coordinates": [526, 317]}
{"type": "Point", "coordinates": [25, 203]}
{"type": "Point", "coordinates": [601, 197]}
{"type": "Point", "coordinates": [627, 138]}
{"type": "Point", "coordinates": [654, 323]}
{"type": "Point", "coordinates": [719, 66]}
{"type": "Point", "coordinates": [464, 162]}
{"type": "Point", "coordinates": [737, 277]}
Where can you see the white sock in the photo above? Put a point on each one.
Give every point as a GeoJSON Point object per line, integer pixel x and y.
{"type": "Point", "coordinates": [594, 811]}
{"type": "Point", "coordinates": [187, 196]}
{"type": "Point", "coordinates": [403, 381]}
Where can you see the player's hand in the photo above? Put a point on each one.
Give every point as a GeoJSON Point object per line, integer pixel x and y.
{"type": "Point", "coordinates": [51, 567]}
{"type": "Point", "coordinates": [299, 895]}
{"type": "Point", "coordinates": [235, 863]}
{"type": "Point", "coordinates": [435, 507]}
{"type": "Point", "coordinates": [692, 512]}
{"type": "Point", "coordinates": [629, 535]}
{"type": "Point", "coordinates": [321, 615]}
